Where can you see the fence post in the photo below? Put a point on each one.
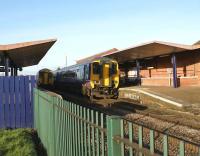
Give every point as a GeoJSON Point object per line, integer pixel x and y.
{"type": "Point", "coordinates": [52, 126]}
{"type": "Point", "coordinates": [165, 145]}
{"type": "Point", "coordinates": [152, 143]}
{"type": "Point", "coordinates": [182, 148]}
{"type": "Point", "coordinates": [35, 111]}
{"type": "Point", "coordinates": [113, 129]}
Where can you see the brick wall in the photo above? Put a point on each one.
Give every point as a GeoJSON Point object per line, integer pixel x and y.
{"type": "Point", "coordinates": [188, 70]}
{"type": "Point", "coordinates": [155, 81]}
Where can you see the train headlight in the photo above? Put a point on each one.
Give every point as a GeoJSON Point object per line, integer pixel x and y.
{"type": "Point", "coordinates": [96, 82]}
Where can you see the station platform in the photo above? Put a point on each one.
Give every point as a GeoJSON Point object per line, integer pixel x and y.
{"type": "Point", "coordinates": [180, 97]}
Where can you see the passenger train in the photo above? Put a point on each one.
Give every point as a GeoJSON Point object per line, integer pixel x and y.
{"type": "Point", "coordinates": [97, 78]}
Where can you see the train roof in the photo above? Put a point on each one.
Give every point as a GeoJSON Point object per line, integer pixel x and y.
{"type": "Point", "coordinates": [45, 70]}
{"type": "Point", "coordinates": [96, 56]}
{"type": "Point", "coordinates": [76, 65]}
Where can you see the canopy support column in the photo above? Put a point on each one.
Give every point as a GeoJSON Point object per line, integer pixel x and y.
{"type": "Point", "coordinates": [12, 71]}
{"type": "Point", "coordinates": [138, 71]}
{"type": "Point", "coordinates": [174, 63]}
{"type": "Point", "coordinates": [15, 71]}
{"type": "Point", "coordinates": [7, 60]}
{"type": "Point", "coordinates": [138, 68]}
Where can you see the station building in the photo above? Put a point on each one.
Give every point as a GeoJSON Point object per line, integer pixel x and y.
{"type": "Point", "coordinates": [158, 63]}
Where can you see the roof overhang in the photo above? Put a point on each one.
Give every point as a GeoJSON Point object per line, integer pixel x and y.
{"type": "Point", "coordinates": [150, 49]}
{"type": "Point", "coordinates": [27, 53]}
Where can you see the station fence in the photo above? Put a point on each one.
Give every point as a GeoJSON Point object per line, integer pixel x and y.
{"type": "Point", "coordinates": [16, 101]}
{"type": "Point", "coordinates": [67, 129]}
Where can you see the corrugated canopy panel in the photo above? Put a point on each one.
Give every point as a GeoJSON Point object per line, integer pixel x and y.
{"type": "Point", "coordinates": [27, 53]}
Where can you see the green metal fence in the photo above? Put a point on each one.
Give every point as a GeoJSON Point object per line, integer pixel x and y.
{"type": "Point", "coordinates": [67, 129]}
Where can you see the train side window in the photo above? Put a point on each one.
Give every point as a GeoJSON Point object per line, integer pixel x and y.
{"type": "Point", "coordinates": [69, 75]}
{"type": "Point", "coordinates": [81, 73]}
{"type": "Point", "coordinates": [86, 70]}
{"type": "Point", "coordinates": [96, 68]}
{"type": "Point", "coordinates": [73, 75]}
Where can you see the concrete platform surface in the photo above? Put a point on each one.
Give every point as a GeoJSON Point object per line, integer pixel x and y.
{"type": "Point", "coordinates": [183, 96]}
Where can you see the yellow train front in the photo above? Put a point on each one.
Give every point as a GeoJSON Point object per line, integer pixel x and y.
{"type": "Point", "coordinates": [45, 78]}
{"type": "Point", "coordinates": [97, 78]}
{"type": "Point", "coordinates": [104, 78]}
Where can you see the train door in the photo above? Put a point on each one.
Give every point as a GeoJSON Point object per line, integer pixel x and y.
{"type": "Point", "coordinates": [106, 75]}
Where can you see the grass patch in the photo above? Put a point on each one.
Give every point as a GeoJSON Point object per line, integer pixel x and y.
{"type": "Point", "coordinates": [19, 142]}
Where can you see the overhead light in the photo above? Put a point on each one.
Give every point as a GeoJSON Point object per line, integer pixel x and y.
{"type": "Point", "coordinates": [150, 67]}
{"type": "Point", "coordinates": [131, 61]}
{"type": "Point", "coordinates": [149, 58]}
{"type": "Point", "coordinates": [163, 55]}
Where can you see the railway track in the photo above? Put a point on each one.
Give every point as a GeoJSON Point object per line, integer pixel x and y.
{"type": "Point", "coordinates": [141, 114]}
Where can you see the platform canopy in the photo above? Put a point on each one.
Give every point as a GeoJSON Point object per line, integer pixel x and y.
{"type": "Point", "coordinates": [26, 53]}
{"type": "Point", "coordinates": [150, 49]}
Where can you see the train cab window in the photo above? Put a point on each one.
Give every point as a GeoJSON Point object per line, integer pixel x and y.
{"type": "Point", "coordinates": [114, 69]}
{"type": "Point", "coordinates": [96, 68]}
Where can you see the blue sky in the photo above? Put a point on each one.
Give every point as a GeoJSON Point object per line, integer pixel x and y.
{"type": "Point", "coordinates": [84, 28]}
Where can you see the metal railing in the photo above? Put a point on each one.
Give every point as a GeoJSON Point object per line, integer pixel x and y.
{"type": "Point", "coordinates": [73, 130]}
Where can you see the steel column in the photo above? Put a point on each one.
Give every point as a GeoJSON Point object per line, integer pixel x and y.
{"type": "Point", "coordinates": [6, 65]}
{"type": "Point", "coordinates": [12, 71]}
{"type": "Point", "coordinates": [138, 72]}
{"type": "Point", "coordinates": [15, 71]}
{"type": "Point", "coordinates": [175, 84]}
{"type": "Point", "coordinates": [138, 68]}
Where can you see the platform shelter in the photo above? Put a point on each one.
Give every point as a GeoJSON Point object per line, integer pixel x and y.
{"type": "Point", "coordinates": [14, 57]}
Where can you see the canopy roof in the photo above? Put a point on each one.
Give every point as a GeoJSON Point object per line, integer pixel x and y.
{"type": "Point", "coordinates": [150, 49]}
{"type": "Point", "coordinates": [155, 48]}
{"type": "Point", "coordinates": [27, 53]}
